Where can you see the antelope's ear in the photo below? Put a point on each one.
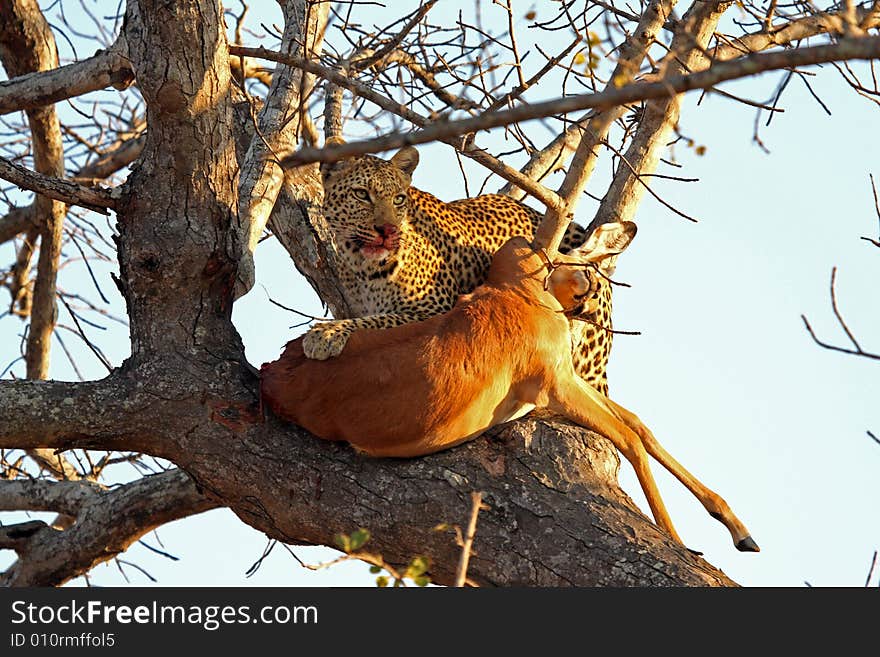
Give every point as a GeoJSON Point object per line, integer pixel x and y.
{"type": "Point", "coordinates": [406, 159]}
{"type": "Point", "coordinates": [329, 168]}
{"type": "Point", "coordinates": [606, 243]}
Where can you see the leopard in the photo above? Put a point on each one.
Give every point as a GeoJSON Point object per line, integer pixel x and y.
{"type": "Point", "coordinates": [403, 255]}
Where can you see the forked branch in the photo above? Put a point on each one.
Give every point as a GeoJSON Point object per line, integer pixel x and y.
{"type": "Point", "coordinates": [856, 349]}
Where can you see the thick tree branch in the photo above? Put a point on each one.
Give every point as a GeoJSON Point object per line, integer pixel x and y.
{"type": "Point", "coordinates": [93, 414]}
{"type": "Point", "coordinates": [96, 198]}
{"type": "Point", "coordinates": [27, 44]}
{"type": "Point", "coordinates": [549, 234]}
{"type": "Point", "coordinates": [17, 221]}
{"type": "Point", "coordinates": [689, 42]}
{"type": "Point", "coordinates": [278, 127]}
{"type": "Point", "coordinates": [68, 497]}
{"type": "Point", "coordinates": [861, 48]}
{"type": "Point", "coordinates": [15, 537]}
{"type": "Point", "coordinates": [554, 516]}
{"type": "Point", "coordinates": [630, 56]}
{"type": "Point", "coordinates": [784, 34]}
{"type": "Point", "coordinates": [107, 524]}
{"type": "Point", "coordinates": [189, 113]}
{"type": "Point", "coordinates": [31, 90]}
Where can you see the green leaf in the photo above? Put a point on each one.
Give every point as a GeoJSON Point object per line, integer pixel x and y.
{"type": "Point", "coordinates": [422, 580]}
{"type": "Point", "coordinates": [381, 581]}
{"type": "Point", "coordinates": [417, 567]}
{"type": "Point", "coordinates": [343, 542]}
{"type": "Point", "coordinates": [358, 538]}
{"type": "Point", "coordinates": [375, 569]}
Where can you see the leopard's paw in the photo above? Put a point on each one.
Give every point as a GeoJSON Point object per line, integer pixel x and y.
{"type": "Point", "coordinates": [325, 340]}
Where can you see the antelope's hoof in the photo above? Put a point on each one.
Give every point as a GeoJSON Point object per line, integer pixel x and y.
{"type": "Point", "coordinates": [748, 545]}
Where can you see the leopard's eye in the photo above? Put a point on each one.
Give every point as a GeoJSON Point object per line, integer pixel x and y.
{"type": "Point", "coordinates": [400, 199]}
{"type": "Point", "coordinates": [362, 194]}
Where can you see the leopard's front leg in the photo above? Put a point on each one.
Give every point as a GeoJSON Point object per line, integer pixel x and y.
{"type": "Point", "coordinates": [328, 339]}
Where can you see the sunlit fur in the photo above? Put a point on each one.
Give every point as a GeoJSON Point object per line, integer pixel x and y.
{"type": "Point", "coordinates": [443, 250]}
{"type": "Point", "coordinates": [501, 351]}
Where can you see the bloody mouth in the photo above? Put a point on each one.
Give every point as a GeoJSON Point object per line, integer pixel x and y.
{"type": "Point", "coordinates": [384, 243]}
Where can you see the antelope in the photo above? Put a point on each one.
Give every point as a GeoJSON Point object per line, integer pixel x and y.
{"type": "Point", "coordinates": [502, 350]}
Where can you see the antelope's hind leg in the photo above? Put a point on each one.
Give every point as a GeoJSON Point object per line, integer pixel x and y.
{"type": "Point", "coordinates": [580, 403]}
{"type": "Point", "coordinates": [711, 501]}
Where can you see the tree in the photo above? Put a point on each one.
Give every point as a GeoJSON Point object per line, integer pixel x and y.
{"type": "Point", "coordinates": [220, 149]}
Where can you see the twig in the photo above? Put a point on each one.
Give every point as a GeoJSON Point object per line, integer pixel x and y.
{"type": "Point", "coordinates": [832, 347]}
{"type": "Point", "coordinates": [85, 339]}
{"type": "Point", "coordinates": [871, 570]}
{"type": "Point", "coordinates": [876, 209]}
{"type": "Point", "coordinates": [858, 351]}
{"type": "Point", "coordinates": [259, 562]}
{"type": "Point", "coordinates": [294, 310]}
{"type": "Point", "coordinates": [837, 311]}
{"type": "Point", "coordinates": [158, 551]}
{"type": "Point", "coordinates": [603, 327]}
{"type": "Point", "coordinates": [648, 189]}
{"type": "Point", "coordinates": [467, 543]}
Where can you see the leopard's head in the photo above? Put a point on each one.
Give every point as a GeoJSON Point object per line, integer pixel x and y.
{"type": "Point", "coordinates": [367, 205]}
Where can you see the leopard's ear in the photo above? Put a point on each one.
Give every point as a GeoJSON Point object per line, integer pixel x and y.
{"type": "Point", "coordinates": [328, 168]}
{"type": "Point", "coordinates": [406, 159]}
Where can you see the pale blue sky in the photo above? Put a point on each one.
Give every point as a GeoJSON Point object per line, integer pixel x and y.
{"type": "Point", "coordinates": [724, 372]}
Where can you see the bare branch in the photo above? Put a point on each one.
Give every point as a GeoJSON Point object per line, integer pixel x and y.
{"type": "Point", "coordinates": [278, 127]}
{"type": "Point", "coordinates": [863, 48]}
{"type": "Point", "coordinates": [871, 569]}
{"type": "Point", "coordinates": [95, 198]}
{"type": "Point", "coordinates": [104, 69]}
{"type": "Point", "coordinates": [549, 234]}
{"type": "Point", "coordinates": [107, 525]}
{"type": "Point", "coordinates": [116, 158]}
{"type": "Point", "coordinates": [16, 537]}
{"type": "Point", "coordinates": [61, 415]}
{"type": "Point", "coordinates": [17, 221]}
{"type": "Point", "coordinates": [786, 33]}
{"type": "Point", "coordinates": [876, 209]}
{"type": "Point", "coordinates": [27, 43]}
{"type": "Point", "coordinates": [631, 54]}
{"type": "Point", "coordinates": [691, 36]}
{"type": "Point", "coordinates": [468, 541]}
{"type": "Point", "coordinates": [844, 350]}
{"type": "Point", "coordinates": [466, 147]}
{"type": "Point", "coordinates": [66, 497]}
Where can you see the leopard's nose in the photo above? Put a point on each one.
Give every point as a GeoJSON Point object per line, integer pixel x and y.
{"type": "Point", "coordinates": [386, 230]}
